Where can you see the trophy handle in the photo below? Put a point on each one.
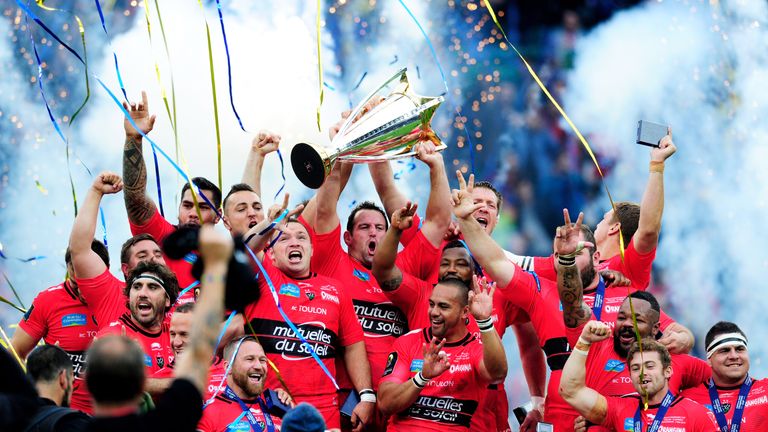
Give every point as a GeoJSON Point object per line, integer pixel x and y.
{"type": "Point", "coordinates": [400, 74]}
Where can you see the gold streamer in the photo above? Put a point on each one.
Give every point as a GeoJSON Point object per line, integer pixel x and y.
{"type": "Point", "coordinates": [13, 350]}
{"type": "Point", "coordinates": [319, 66]}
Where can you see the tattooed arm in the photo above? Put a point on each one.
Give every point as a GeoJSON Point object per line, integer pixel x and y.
{"type": "Point", "coordinates": [569, 286]}
{"type": "Point", "coordinates": [139, 206]}
{"type": "Point", "coordinates": [216, 250]}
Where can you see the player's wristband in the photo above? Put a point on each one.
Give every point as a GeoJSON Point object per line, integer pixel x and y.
{"type": "Point", "coordinates": [419, 380]}
{"type": "Point", "coordinates": [656, 166]}
{"type": "Point", "coordinates": [367, 395]}
{"type": "Point", "coordinates": [582, 347]}
{"type": "Point", "coordinates": [486, 325]}
{"type": "Point", "coordinates": [566, 261]}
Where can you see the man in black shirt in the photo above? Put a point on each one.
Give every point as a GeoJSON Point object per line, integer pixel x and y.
{"type": "Point", "coordinates": [116, 377]}
{"type": "Point", "coordinates": [51, 370]}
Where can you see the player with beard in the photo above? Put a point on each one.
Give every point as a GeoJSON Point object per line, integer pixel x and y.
{"type": "Point", "coordinates": [738, 401]}
{"type": "Point", "coordinates": [452, 367]}
{"type": "Point", "coordinates": [142, 212]}
{"type": "Point", "coordinates": [655, 407]}
{"type": "Point", "coordinates": [606, 364]}
{"type": "Point", "coordinates": [411, 295]}
{"type": "Point", "coordinates": [151, 288]}
{"type": "Point", "coordinates": [324, 316]}
{"type": "Point", "coordinates": [247, 372]}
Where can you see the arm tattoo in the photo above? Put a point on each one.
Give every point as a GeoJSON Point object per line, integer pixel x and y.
{"type": "Point", "coordinates": [139, 206]}
{"type": "Point", "coordinates": [575, 311]}
{"type": "Point", "coordinates": [391, 284]}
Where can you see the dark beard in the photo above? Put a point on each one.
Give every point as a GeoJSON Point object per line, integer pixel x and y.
{"type": "Point", "coordinates": [587, 276]}
{"type": "Point", "coordinates": [620, 350]}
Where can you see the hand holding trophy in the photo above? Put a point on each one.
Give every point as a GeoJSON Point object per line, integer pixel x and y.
{"type": "Point", "coordinates": [387, 131]}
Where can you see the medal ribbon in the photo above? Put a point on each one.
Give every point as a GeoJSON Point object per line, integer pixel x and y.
{"type": "Point", "coordinates": [656, 424]}
{"type": "Point", "coordinates": [229, 394]}
{"type": "Point", "coordinates": [717, 406]}
{"type": "Point", "coordinates": [597, 306]}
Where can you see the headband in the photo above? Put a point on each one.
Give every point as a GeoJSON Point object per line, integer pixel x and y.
{"type": "Point", "coordinates": [726, 340]}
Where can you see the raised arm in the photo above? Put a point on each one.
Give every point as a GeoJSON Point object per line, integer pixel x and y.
{"type": "Point", "coordinates": [258, 237]}
{"type": "Point", "coordinates": [360, 373]}
{"type": "Point", "coordinates": [567, 246]}
{"type": "Point", "coordinates": [589, 403]}
{"type": "Point", "coordinates": [387, 274]}
{"type": "Point", "coordinates": [215, 249]}
{"type": "Point", "coordinates": [652, 207]}
{"type": "Point", "coordinates": [86, 262]}
{"type": "Point", "coordinates": [138, 204]}
{"type": "Point", "coordinates": [483, 248]}
{"type": "Point", "coordinates": [438, 214]}
{"type": "Point", "coordinates": [493, 366]}
{"type": "Point", "coordinates": [677, 338]}
{"type": "Point", "coordinates": [264, 143]}
{"type": "Point", "coordinates": [394, 397]}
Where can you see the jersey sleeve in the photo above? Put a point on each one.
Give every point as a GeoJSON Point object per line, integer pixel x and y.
{"type": "Point", "coordinates": [637, 267]}
{"type": "Point", "coordinates": [615, 414]}
{"type": "Point", "coordinates": [545, 267]}
{"type": "Point", "coordinates": [35, 321]}
{"type": "Point", "coordinates": [326, 250]}
{"type": "Point", "coordinates": [521, 290]}
{"type": "Point", "coordinates": [418, 258]}
{"type": "Point", "coordinates": [694, 371]}
{"type": "Point", "coordinates": [104, 297]}
{"type": "Point", "coordinates": [398, 367]}
{"type": "Point", "coordinates": [156, 226]}
{"type": "Point", "coordinates": [665, 321]}
{"type": "Point", "coordinates": [350, 331]}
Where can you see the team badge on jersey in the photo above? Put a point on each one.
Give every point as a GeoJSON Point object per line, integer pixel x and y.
{"type": "Point", "coordinates": [310, 295]}
{"type": "Point", "coordinates": [290, 290]}
{"type": "Point", "coordinates": [160, 361]}
{"type": "Point", "coordinates": [363, 276]}
{"type": "Point", "coordinates": [391, 362]}
{"type": "Point", "coordinates": [614, 366]}
{"type": "Point", "coordinates": [29, 312]}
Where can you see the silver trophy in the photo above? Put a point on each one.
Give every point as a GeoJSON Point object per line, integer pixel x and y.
{"type": "Point", "coordinates": [388, 131]}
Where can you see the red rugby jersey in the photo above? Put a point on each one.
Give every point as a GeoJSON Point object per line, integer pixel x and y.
{"type": "Point", "coordinates": [225, 415]}
{"type": "Point", "coordinates": [324, 315]}
{"type": "Point", "coordinates": [449, 401]}
{"type": "Point", "coordinates": [755, 417]}
{"type": "Point", "coordinates": [216, 376]}
{"type": "Point", "coordinates": [381, 320]}
{"type": "Point", "coordinates": [159, 228]}
{"type": "Point", "coordinates": [57, 316]}
{"type": "Point", "coordinates": [104, 294]}
{"type": "Point", "coordinates": [684, 415]}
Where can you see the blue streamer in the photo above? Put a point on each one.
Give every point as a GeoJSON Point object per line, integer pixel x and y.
{"type": "Point", "coordinates": [360, 81]}
{"type": "Point", "coordinates": [53, 35]}
{"type": "Point", "coordinates": [103, 224]}
{"type": "Point", "coordinates": [282, 173]}
{"type": "Point", "coordinates": [445, 83]}
{"type": "Point", "coordinates": [229, 65]}
{"type": "Point", "coordinates": [287, 320]}
{"type": "Point", "coordinates": [328, 86]}
{"type": "Point", "coordinates": [109, 40]}
{"type": "Point", "coordinates": [223, 330]}
{"type": "Point", "coordinates": [393, 61]}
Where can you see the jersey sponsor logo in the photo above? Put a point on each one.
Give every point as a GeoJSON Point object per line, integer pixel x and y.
{"type": "Point", "coordinates": [612, 309]}
{"type": "Point", "coordinates": [443, 410]}
{"type": "Point", "coordinates": [363, 276]}
{"type": "Point", "coordinates": [311, 309]}
{"type": "Point", "coordinates": [416, 365]}
{"type": "Point", "coordinates": [290, 290]}
{"type": "Point", "coordinates": [460, 368]}
{"type": "Point", "coordinates": [74, 320]}
{"type": "Point", "coordinates": [239, 427]}
{"type": "Point", "coordinates": [391, 362]}
{"type": "Point", "coordinates": [78, 362]}
{"type": "Point", "coordinates": [29, 312]}
{"type": "Point", "coordinates": [190, 257]}
{"type": "Point", "coordinates": [277, 338]}
{"type": "Point", "coordinates": [629, 424]}
{"type": "Point", "coordinates": [155, 346]}
{"type": "Point", "coordinates": [147, 360]}
{"type": "Point", "coordinates": [380, 319]}
{"type": "Point", "coordinates": [613, 365]}
{"type": "Point", "coordinates": [330, 297]}
{"type": "Point", "coordinates": [757, 401]}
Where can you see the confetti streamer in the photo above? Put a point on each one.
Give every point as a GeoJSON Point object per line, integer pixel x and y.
{"type": "Point", "coordinates": [319, 66]}
{"type": "Point", "coordinates": [229, 65]}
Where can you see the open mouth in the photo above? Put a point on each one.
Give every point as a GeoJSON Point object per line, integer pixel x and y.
{"type": "Point", "coordinates": [371, 247]}
{"type": "Point", "coordinates": [252, 224]}
{"type": "Point", "coordinates": [482, 221]}
{"type": "Point", "coordinates": [295, 256]}
{"type": "Point", "coordinates": [144, 307]}
{"type": "Point", "coordinates": [255, 377]}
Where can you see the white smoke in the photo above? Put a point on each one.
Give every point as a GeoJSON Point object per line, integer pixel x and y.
{"type": "Point", "coordinates": [701, 69]}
